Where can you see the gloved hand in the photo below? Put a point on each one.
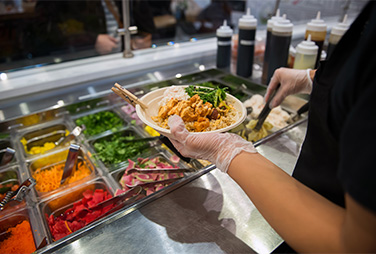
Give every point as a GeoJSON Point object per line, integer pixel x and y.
{"type": "Point", "coordinates": [292, 82]}
{"type": "Point", "coordinates": [218, 148]}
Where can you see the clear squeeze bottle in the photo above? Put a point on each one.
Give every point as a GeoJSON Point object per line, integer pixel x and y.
{"type": "Point", "coordinates": [279, 45]}
{"type": "Point", "coordinates": [224, 36]}
{"type": "Point", "coordinates": [246, 44]}
{"type": "Point", "coordinates": [336, 34]}
{"type": "Point", "coordinates": [269, 28]}
{"type": "Point", "coordinates": [317, 29]}
{"type": "Point", "coordinates": [306, 54]}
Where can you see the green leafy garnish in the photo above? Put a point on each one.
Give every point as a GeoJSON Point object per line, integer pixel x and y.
{"type": "Point", "coordinates": [118, 148]}
{"type": "Point", "coordinates": [214, 96]}
{"type": "Point", "coordinates": [100, 122]}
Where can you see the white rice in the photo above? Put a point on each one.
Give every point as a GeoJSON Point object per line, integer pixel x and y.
{"type": "Point", "coordinates": [173, 92]}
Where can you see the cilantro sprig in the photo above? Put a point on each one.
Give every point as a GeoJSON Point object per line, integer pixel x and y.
{"type": "Point", "coordinates": [118, 148]}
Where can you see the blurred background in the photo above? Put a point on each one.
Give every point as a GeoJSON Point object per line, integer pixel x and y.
{"type": "Point", "coordinates": [39, 32]}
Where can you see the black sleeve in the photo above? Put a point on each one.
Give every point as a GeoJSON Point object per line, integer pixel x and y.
{"type": "Point", "coordinates": [357, 167]}
{"type": "Point", "coordinates": [354, 107]}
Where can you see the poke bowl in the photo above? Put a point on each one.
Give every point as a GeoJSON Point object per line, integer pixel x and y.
{"type": "Point", "coordinates": [153, 102]}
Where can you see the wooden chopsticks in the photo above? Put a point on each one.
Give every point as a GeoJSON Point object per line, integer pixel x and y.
{"type": "Point", "coordinates": [127, 96]}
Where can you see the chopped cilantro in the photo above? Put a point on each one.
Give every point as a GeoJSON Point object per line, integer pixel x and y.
{"type": "Point", "coordinates": [100, 122]}
{"type": "Point", "coordinates": [118, 148]}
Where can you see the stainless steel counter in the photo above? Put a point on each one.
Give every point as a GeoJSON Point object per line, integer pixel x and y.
{"type": "Point", "coordinates": [211, 214]}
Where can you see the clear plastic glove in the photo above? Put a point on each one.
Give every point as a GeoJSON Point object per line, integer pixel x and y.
{"type": "Point", "coordinates": [218, 148]}
{"type": "Point", "coordinates": [292, 81]}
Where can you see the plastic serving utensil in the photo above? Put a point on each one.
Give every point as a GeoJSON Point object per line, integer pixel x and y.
{"type": "Point", "coordinates": [70, 162]}
{"type": "Point", "coordinates": [161, 170]}
{"type": "Point", "coordinates": [119, 199]}
{"type": "Point", "coordinates": [168, 143]}
{"type": "Point", "coordinates": [155, 182]}
{"type": "Point", "coordinates": [75, 133]}
{"type": "Point", "coordinates": [19, 194]}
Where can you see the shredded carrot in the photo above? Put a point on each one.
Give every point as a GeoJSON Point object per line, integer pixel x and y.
{"type": "Point", "coordinates": [49, 179]}
{"type": "Point", "coordinates": [20, 239]}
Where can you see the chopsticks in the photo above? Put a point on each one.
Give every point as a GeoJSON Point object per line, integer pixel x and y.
{"type": "Point", "coordinates": [127, 96]}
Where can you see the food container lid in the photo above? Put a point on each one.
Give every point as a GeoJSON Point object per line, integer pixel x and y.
{"type": "Point", "coordinates": [307, 47]}
{"type": "Point", "coordinates": [248, 20]}
{"type": "Point", "coordinates": [283, 25]}
{"type": "Point", "coordinates": [224, 30]}
{"type": "Point", "coordinates": [341, 28]}
{"type": "Point", "coordinates": [317, 24]}
{"type": "Point", "coordinates": [270, 22]}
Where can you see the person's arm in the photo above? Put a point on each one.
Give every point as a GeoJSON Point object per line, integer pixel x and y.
{"type": "Point", "coordinates": [304, 219]}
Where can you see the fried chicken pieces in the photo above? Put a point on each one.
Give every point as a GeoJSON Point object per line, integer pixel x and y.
{"type": "Point", "coordinates": [192, 110]}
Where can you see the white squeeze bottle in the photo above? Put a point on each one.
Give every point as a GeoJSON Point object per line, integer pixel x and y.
{"type": "Point", "coordinates": [317, 29]}
{"type": "Point", "coordinates": [306, 54]}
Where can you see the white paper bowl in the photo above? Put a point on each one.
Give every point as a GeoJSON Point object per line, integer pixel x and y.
{"type": "Point", "coordinates": [153, 98]}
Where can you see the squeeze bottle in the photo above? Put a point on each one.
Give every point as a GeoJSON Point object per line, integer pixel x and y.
{"type": "Point", "coordinates": [306, 54]}
{"type": "Point", "coordinates": [224, 36]}
{"type": "Point", "coordinates": [279, 45]}
{"type": "Point", "coordinates": [246, 44]}
{"type": "Point", "coordinates": [269, 28]}
{"type": "Point", "coordinates": [317, 29]}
